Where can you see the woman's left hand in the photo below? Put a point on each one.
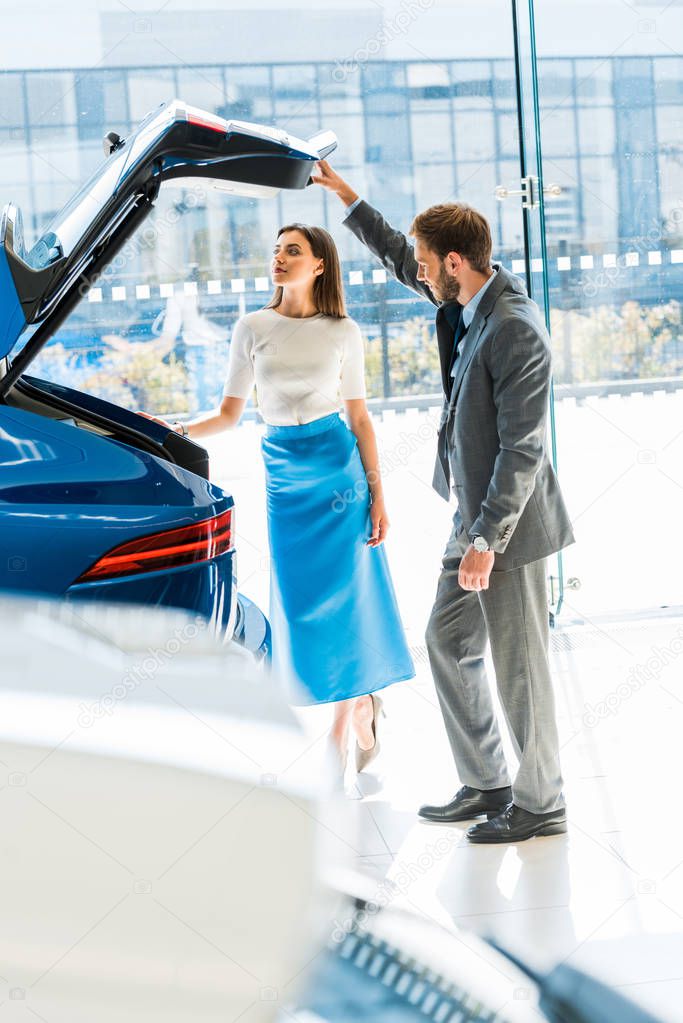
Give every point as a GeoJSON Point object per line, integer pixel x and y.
{"type": "Point", "coordinates": [380, 523]}
{"type": "Point", "coordinates": [155, 419]}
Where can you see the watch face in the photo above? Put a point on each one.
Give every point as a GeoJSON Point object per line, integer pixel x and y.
{"type": "Point", "coordinates": [480, 544]}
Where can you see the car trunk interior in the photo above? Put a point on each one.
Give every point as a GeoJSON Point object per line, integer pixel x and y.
{"type": "Point", "coordinates": [43, 398]}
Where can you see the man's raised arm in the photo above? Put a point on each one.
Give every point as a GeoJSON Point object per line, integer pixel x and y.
{"type": "Point", "coordinates": [390, 246]}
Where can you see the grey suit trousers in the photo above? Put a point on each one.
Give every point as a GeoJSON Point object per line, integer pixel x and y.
{"type": "Point", "coordinates": [513, 616]}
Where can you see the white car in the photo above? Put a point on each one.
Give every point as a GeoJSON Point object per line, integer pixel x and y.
{"type": "Point", "coordinates": [165, 853]}
{"type": "Point", "coordinates": [160, 850]}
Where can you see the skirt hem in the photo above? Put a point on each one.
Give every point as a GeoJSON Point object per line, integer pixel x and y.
{"type": "Point", "coordinates": [353, 695]}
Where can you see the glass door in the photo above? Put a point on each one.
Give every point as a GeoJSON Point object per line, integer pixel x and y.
{"type": "Point", "coordinates": [531, 194]}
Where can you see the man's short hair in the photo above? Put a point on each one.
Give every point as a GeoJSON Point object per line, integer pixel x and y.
{"type": "Point", "coordinates": [455, 227]}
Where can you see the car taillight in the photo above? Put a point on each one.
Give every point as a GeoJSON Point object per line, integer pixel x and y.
{"type": "Point", "coordinates": [174, 547]}
{"type": "Point", "coordinates": [203, 120]}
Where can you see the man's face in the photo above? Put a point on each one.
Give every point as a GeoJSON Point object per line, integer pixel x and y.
{"type": "Point", "coordinates": [437, 273]}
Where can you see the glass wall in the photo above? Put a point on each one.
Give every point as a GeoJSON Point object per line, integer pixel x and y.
{"type": "Point", "coordinates": [410, 133]}
{"type": "Point", "coordinates": [611, 134]}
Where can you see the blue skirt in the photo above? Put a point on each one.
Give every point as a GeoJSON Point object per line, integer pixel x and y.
{"type": "Point", "coordinates": [336, 628]}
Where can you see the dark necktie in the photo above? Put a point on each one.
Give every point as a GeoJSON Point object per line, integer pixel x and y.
{"type": "Point", "coordinates": [453, 313]}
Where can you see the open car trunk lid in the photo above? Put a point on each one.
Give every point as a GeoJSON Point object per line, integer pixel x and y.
{"type": "Point", "coordinates": [42, 286]}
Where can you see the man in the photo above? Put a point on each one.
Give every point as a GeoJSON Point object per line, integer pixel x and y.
{"type": "Point", "coordinates": [495, 366]}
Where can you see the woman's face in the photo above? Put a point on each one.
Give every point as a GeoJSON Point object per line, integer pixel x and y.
{"type": "Point", "coordinates": [293, 262]}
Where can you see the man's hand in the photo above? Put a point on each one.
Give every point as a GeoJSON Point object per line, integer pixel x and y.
{"type": "Point", "coordinates": [475, 569]}
{"type": "Point", "coordinates": [329, 179]}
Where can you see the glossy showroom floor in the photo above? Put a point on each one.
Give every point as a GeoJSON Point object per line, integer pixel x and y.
{"type": "Point", "coordinates": [609, 895]}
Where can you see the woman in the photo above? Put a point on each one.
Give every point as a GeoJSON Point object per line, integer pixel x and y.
{"type": "Point", "coordinates": [335, 623]}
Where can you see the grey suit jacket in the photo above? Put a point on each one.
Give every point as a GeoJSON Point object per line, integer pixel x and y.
{"type": "Point", "coordinates": [493, 425]}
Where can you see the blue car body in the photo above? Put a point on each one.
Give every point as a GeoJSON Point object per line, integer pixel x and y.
{"type": "Point", "coordinates": [97, 502]}
{"type": "Point", "coordinates": [69, 496]}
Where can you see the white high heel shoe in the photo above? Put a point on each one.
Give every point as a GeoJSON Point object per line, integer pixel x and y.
{"type": "Point", "coordinates": [364, 757]}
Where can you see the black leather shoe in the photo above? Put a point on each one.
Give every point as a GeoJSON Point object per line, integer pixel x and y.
{"type": "Point", "coordinates": [467, 804]}
{"type": "Point", "coordinates": [516, 825]}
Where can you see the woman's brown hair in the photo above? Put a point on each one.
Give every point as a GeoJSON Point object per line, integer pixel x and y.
{"type": "Point", "coordinates": [328, 289]}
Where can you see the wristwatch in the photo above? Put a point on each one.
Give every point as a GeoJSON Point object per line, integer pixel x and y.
{"type": "Point", "coordinates": [184, 432]}
{"type": "Point", "coordinates": [480, 545]}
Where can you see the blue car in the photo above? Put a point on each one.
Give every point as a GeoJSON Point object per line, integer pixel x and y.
{"type": "Point", "coordinates": [97, 502]}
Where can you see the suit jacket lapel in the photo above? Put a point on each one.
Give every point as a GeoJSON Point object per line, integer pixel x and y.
{"type": "Point", "coordinates": [469, 346]}
{"type": "Point", "coordinates": [476, 329]}
{"type": "Point", "coordinates": [444, 331]}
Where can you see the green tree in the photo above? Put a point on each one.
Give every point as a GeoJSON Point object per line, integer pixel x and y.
{"type": "Point", "coordinates": [141, 375]}
{"type": "Point", "coordinates": [413, 360]}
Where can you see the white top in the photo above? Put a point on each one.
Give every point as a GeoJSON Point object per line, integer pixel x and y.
{"type": "Point", "coordinates": [303, 367]}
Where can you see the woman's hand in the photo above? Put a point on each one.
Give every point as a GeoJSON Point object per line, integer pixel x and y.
{"type": "Point", "coordinates": [162, 422]}
{"type": "Point", "coordinates": [380, 523]}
